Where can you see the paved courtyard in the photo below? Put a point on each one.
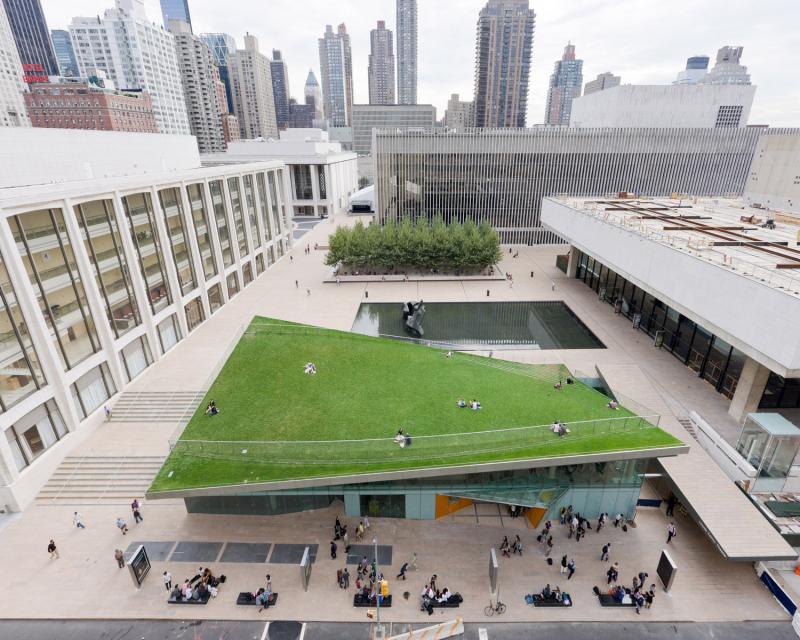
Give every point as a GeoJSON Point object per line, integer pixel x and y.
{"type": "Point", "coordinates": [89, 584]}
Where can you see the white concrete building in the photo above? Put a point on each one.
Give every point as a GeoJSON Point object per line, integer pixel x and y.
{"type": "Point", "coordinates": [136, 54]}
{"type": "Point", "coordinates": [12, 86]}
{"type": "Point", "coordinates": [107, 260]}
{"type": "Point", "coordinates": [205, 104]}
{"type": "Point", "coordinates": [774, 179]}
{"type": "Point", "coordinates": [320, 176]}
{"type": "Point", "coordinates": [251, 85]}
{"type": "Point", "coordinates": [668, 105]}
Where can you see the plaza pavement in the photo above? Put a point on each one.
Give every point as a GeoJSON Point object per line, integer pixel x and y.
{"type": "Point", "coordinates": [86, 583]}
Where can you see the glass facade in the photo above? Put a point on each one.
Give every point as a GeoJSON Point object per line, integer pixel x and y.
{"type": "Point", "coordinates": [197, 202]}
{"type": "Point", "coordinates": [92, 389]}
{"type": "Point", "coordinates": [45, 249]}
{"type": "Point", "coordinates": [259, 264]}
{"type": "Point", "coordinates": [169, 333]}
{"type": "Point", "coordinates": [218, 204]}
{"type": "Point", "coordinates": [194, 313]}
{"type": "Point", "coordinates": [251, 210]}
{"type": "Point", "coordinates": [321, 182]}
{"type": "Point", "coordinates": [247, 273]}
{"type": "Point", "coordinates": [20, 371]}
{"type": "Point", "coordinates": [301, 177]}
{"type": "Point", "coordinates": [136, 357]}
{"type": "Point", "coordinates": [709, 356]}
{"type": "Point", "coordinates": [233, 284]}
{"type": "Point", "coordinates": [139, 211]}
{"type": "Point", "coordinates": [262, 201]}
{"type": "Point", "coordinates": [172, 207]}
{"type": "Point", "coordinates": [34, 433]}
{"type": "Point", "coordinates": [273, 198]}
{"type": "Point", "coordinates": [781, 393]}
{"type": "Point", "coordinates": [215, 298]}
{"type": "Point", "coordinates": [238, 219]}
{"type": "Point", "coordinates": [102, 241]}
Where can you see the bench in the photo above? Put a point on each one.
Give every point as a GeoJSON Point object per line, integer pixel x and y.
{"type": "Point", "coordinates": [445, 605]}
{"type": "Point", "coordinates": [539, 601]}
{"type": "Point", "coordinates": [192, 601]}
{"type": "Point", "coordinates": [246, 598]}
{"type": "Point", "coordinates": [361, 601]}
{"type": "Point", "coordinates": [607, 600]}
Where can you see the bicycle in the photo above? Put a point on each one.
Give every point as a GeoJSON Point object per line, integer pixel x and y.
{"type": "Point", "coordinates": [499, 608]}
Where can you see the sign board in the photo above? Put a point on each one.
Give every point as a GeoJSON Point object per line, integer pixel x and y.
{"type": "Point", "coordinates": [493, 569]}
{"type": "Point", "coordinates": [666, 570]}
{"type": "Point", "coordinates": [139, 565]}
{"type": "Point", "coordinates": [305, 568]}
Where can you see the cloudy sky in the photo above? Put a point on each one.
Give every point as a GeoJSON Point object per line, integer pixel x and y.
{"type": "Point", "coordinates": [644, 41]}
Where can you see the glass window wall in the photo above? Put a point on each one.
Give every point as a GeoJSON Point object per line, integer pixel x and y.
{"type": "Point", "coordinates": [282, 201]}
{"type": "Point", "coordinates": [323, 187]}
{"type": "Point", "coordinates": [45, 248]}
{"type": "Point", "coordinates": [92, 389]}
{"type": "Point", "coordinates": [262, 201]}
{"type": "Point", "coordinates": [259, 264]}
{"type": "Point", "coordinates": [233, 284]}
{"type": "Point", "coordinates": [247, 273]}
{"type": "Point", "coordinates": [218, 204]}
{"type": "Point", "coordinates": [238, 220]}
{"type": "Point", "coordinates": [301, 176]}
{"type": "Point", "coordinates": [141, 219]}
{"type": "Point", "coordinates": [102, 241]}
{"type": "Point", "coordinates": [251, 210]}
{"type": "Point", "coordinates": [34, 433]}
{"type": "Point", "coordinates": [273, 198]}
{"type": "Point", "coordinates": [136, 357]}
{"type": "Point", "coordinates": [169, 333]}
{"type": "Point", "coordinates": [215, 297]}
{"type": "Point", "coordinates": [172, 207]}
{"type": "Point", "coordinates": [197, 201]}
{"type": "Point", "coordinates": [194, 313]}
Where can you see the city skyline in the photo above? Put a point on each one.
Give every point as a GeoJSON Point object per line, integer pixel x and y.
{"type": "Point", "coordinates": [609, 35]}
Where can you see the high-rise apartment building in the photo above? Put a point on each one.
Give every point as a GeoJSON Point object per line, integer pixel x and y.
{"type": "Point", "coordinates": [135, 54]}
{"type": "Point", "coordinates": [30, 31]}
{"type": "Point", "coordinates": [175, 10]}
{"type": "Point", "coordinates": [602, 81]}
{"type": "Point", "coordinates": [728, 69]}
{"type": "Point", "coordinates": [221, 44]}
{"type": "Point", "coordinates": [406, 51]}
{"type": "Point", "coordinates": [502, 63]}
{"type": "Point", "coordinates": [251, 82]}
{"type": "Point", "coordinates": [301, 116]}
{"type": "Point", "coordinates": [280, 88]}
{"type": "Point", "coordinates": [459, 114]}
{"type": "Point", "coordinates": [12, 86]}
{"type": "Point", "coordinates": [381, 65]}
{"type": "Point", "coordinates": [313, 96]}
{"type": "Point", "coordinates": [65, 54]}
{"type": "Point", "coordinates": [696, 69]}
{"type": "Point", "coordinates": [565, 84]}
{"type": "Point", "coordinates": [202, 88]}
{"type": "Point", "coordinates": [336, 66]}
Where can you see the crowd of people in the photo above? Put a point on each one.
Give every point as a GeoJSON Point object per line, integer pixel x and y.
{"type": "Point", "coordinates": [203, 586]}
{"type": "Point", "coordinates": [473, 404]}
{"type": "Point", "coordinates": [432, 596]}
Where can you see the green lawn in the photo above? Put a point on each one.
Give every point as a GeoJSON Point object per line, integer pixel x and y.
{"type": "Point", "coordinates": [277, 423]}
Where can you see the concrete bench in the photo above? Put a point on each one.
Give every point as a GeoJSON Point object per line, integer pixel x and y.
{"type": "Point", "coordinates": [360, 601]}
{"type": "Point", "coordinates": [192, 601]}
{"type": "Point", "coordinates": [246, 598]}
{"type": "Point", "coordinates": [607, 600]}
{"type": "Point", "coordinates": [538, 601]}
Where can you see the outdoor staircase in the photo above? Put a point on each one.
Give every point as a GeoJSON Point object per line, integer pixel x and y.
{"type": "Point", "coordinates": [100, 480]}
{"type": "Point", "coordinates": [156, 406]}
{"type": "Point", "coordinates": [687, 424]}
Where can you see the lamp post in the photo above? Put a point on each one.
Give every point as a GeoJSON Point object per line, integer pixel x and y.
{"type": "Point", "coordinates": [378, 628]}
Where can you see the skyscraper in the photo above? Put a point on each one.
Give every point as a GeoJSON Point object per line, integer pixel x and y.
{"type": "Point", "coordinates": [313, 95]}
{"type": "Point", "coordinates": [336, 66]}
{"type": "Point", "coordinates": [135, 54]}
{"type": "Point", "coordinates": [12, 86]}
{"type": "Point", "coordinates": [407, 51]}
{"type": "Point", "coordinates": [175, 10]}
{"type": "Point", "coordinates": [251, 82]}
{"type": "Point", "coordinates": [727, 69]}
{"type": "Point", "coordinates": [381, 65]}
{"type": "Point", "coordinates": [565, 84]}
{"type": "Point", "coordinates": [695, 71]}
{"type": "Point", "coordinates": [199, 75]}
{"type": "Point", "coordinates": [65, 54]}
{"type": "Point", "coordinates": [280, 89]}
{"type": "Point", "coordinates": [502, 63]}
{"type": "Point", "coordinates": [221, 44]}
{"type": "Point", "coordinates": [33, 39]}
{"type": "Point", "coordinates": [602, 81]}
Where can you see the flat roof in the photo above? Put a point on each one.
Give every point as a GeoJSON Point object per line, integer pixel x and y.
{"type": "Point", "coordinates": [725, 231]}
{"type": "Point", "coordinates": [775, 424]}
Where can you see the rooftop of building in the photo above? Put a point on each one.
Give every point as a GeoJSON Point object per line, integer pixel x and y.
{"type": "Point", "coordinates": [300, 145]}
{"type": "Point", "coordinates": [754, 242]}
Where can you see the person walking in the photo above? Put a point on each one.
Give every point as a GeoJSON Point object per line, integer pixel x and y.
{"type": "Point", "coordinates": [671, 502]}
{"type": "Point", "coordinates": [611, 575]}
{"type": "Point", "coordinates": [366, 523]}
{"type": "Point", "coordinates": [345, 578]}
{"type": "Point", "coordinates": [549, 549]}
{"type": "Point", "coordinates": [77, 520]}
{"type": "Point", "coordinates": [122, 525]}
{"type": "Point", "coordinates": [403, 570]}
{"type": "Point", "coordinates": [119, 556]}
{"type": "Point", "coordinates": [333, 550]}
{"type": "Point", "coordinates": [671, 532]}
{"type": "Point", "coordinates": [617, 520]}
{"type": "Point", "coordinates": [52, 550]}
{"type": "Point", "coordinates": [601, 521]}
{"type": "Point", "coordinates": [137, 516]}
{"type": "Point", "coordinates": [107, 412]}
{"type": "Point", "coordinates": [563, 564]}
{"type": "Point", "coordinates": [167, 578]}
{"type": "Point", "coordinates": [308, 292]}
{"type": "Point", "coordinates": [570, 568]}
{"type": "Point", "coordinates": [650, 596]}
{"type": "Point", "coordinates": [604, 554]}
{"type": "Point", "coordinates": [296, 284]}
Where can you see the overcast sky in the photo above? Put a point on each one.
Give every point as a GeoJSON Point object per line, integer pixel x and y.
{"type": "Point", "coordinates": [644, 41]}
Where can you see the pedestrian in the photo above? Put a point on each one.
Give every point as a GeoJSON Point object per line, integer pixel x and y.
{"type": "Point", "coordinates": [366, 522]}
{"type": "Point", "coordinates": [642, 577]}
{"type": "Point", "coordinates": [308, 292]}
{"type": "Point", "coordinates": [433, 579]}
{"type": "Point", "coordinates": [137, 516]}
{"type": "Point", "coordinates": [563, 564]}
{"type": "Point", "coordinates": [119, 556]}
{"type": "Point", "coordinates": [403, 570]}
{"type": "Point", "coordinates": [296, 284]}
{"type": "Point", "coordinates": [122, 525]}
{"type": "Point", "coordinates": [618, 519]}
{"type": "Point", "coordinates": [360, 531]}
{"type": "Point", "coordinates": [362, 566]}
{"type": "Point", "coordinates": [52, 550]}
{"type": "Point", "coordinates": [671, 502]}
{"type": "Point", "coordinates": [650, 596]}
{"type": "Point", "coordinates": [531, 274]}
{"type": "Point", "coordinates": [291, 258]}
{"type": "Point", "coordinates": [611, 575]}
{"type": "Point", "coordinates": [562, 515]}
{"type": "Point", "coordinates": [345, 539]}
{"type": "Point", "coordinates": [601, 520]}
{"type": "Point", "coordinates": [107, 412]}
{"type": "Point", "coordinates": [604, 554]}
{"type": "Point", "coordinates": [517, 547]}
{"type": "Point", "coordinates": [553, 286]}
{"type": "Point", "coordinates": [167, 578]}
{"type": "Point", "coordinates": [77, 520]}
{"type": "Point", "coordinates": [549, 547]}
{"type": "Point", "coordinates": [338, 282]}
{"type": "Point", "coordinates": [333, 550]}
{"type": "Point", "coordinates": [638, 599]}
{"type": "Point", "coordinates": [570, 568]}
{"type": "Point", "coordinates": [636, 584]}
{"type": "Point", "coordinates": [345, 576]}
{"type": "Point", "coordinates": [671, 532]}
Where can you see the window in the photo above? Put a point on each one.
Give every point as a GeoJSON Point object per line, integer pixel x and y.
{"type": "Point", "coordinates": [273, 197]}
{"type": "Point", "coordinates": [215, 297]}
{"type": "Point", "coordinates": [200, 218]}
{"type": "Point", "coordinates": [172, 207]}
{"type": "Point", "coordinates": [251, 210]}
{"type": "Point", "coordinates": [238, 220]}
{"type": "Point", "coordinates": [322, 183]}
{"type": "Point", "coordinates": [218, 204]}
{"type": "Point", "coordinates": [194, 313]}
{"type": "Point", "coordinates": [729, 115]}
{"type": "Point", "coordinates": [34, 433]}
{"type": "Point", "coordinates": [259, 264]}
{"type": "Point", "coordinates": [169, 333]}
{"type": "Point", "coordinates": [262, 201]}
{"type": "Point", "coordinates": [92, 389]}
{"type": "Point", "coordinates": [301, 174]}
{"type": "Point", "coordinates": [233, 284]}
{"type": "Point", "coordinates": [136, 357]}
{"type": "Point", "coordinates": [247, 273]}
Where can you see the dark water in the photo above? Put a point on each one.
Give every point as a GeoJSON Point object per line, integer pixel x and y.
{"type": "Point", "coordinates": [481, 325]}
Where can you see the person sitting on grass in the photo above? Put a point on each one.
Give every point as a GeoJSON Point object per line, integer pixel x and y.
{"type": "Point", "coordinates": [211, 409]}
{"type": "Point", "coordinates": [400, 438]}
{"type": "Point", "coordinates": [310, 368]}
{"type": "Point", "coordinates": [562, 430]}
{"type": "Point", "coordinates": [461, 403]}
{"type": "Point", "coordinates": [475, 405]}
{"type": "Point", "coordinates": [613, 404]}
{"type": "Point", "coordinates": [557, 386]}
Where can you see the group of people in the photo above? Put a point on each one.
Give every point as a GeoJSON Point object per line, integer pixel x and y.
{"type": "Point", "coordinates": [636, 594]}
{"type": "Point", "coordinates": [211, 409]}
{"type": "Point", "coordinates": [549, 594]}
{"type": "Point", "coordinates": [310, 368]}
{"type": "Point", "coordinates": [264, 595]}
{"type": "Point", "coordinates": [507, 548]}
{"type": "Point", "coordinates": [474, 404]}
{"type": "Point", "coordinates": [431, 595]}
{"type": "Point", "coordinates": [402, 438]}
{"type": "Point", "coordinates": [559, 385]}
{"type": "Point", "coordinates": [203, 586]}
{"type": "Point", "coordinates": [560, 428]}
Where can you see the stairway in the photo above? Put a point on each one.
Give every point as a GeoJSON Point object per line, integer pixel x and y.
{"type": "Point", "coordinates": [99, 480]}
{"type": "Point", "coordinates": [687, 424]}
{"type": "Point", "coordinates": [156, 406]}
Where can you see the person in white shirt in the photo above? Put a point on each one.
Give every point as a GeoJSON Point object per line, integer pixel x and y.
{"type": "Point", "coordinates": [167, 580]}
{"type": "Point", "coordinates": [77, 520]}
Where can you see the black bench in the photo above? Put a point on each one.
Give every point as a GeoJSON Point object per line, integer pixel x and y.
{"type": "Point", "coordinates": [246, 598]}
{"type": "Point", "coordinates": [539, 601]}
{"type": "Point", "coordinates": [451, 604]}
{"type": "Point", "coordinates": [361, 601]}
{"type": "Point", "coordinates": [204, 600]}
{"type": "Point", "coordinates": [607, 600]}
